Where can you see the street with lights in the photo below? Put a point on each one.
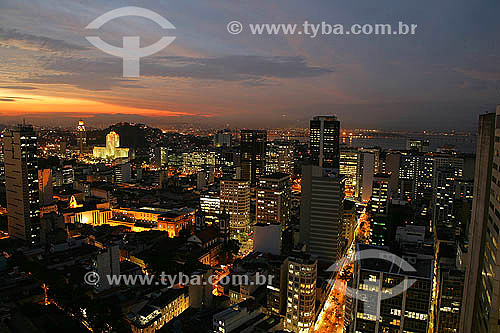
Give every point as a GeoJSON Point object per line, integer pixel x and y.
{"type": "Point", "coordinates": [331, 317]}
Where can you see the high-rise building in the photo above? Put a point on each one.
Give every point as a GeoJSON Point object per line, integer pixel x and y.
{"type": "Point", "coordinates": [45, 186]}
{"type": "Point", "coordinates": [450, 286]}
{"type": "Point", "coordinates": [374, 279]}
{"type": "Point", "coordinates": [160, 155]}
{"type": "Point", "coordinates": [279, 157]}
{"type": "Point", "coordinates": [112, 149]}
{"type": "Point", "coordinates": [81, 137]}
{"type": "Point", "coordinates": [321, 212]}
{"type": "Point", "coordinates": [380, 194]}
{"type": "Point", "coordinates": [366, 170]}
{"type": "Point", "coordinates": [349, 163]}
{"type": "Point", "coordinates": [235, 200]}
{"type": "Point", "coordinates": [253, 154]}
{"type": "Point", "coordinates": [68, 175]}
{"type": "Point", "coordinates": [443, 196]}
{"type": "Point", "coordinates": [267, 238]}
{"type": "Point", "coordinates": [481, 295]}
{"type": "Point", "coordinates": [301, 292]}
{"type": "Point", "coordinates": [379, 204]}
{"type": "Point", "coordinates": [274, 199]}
{"type": "Point", "coordinates": [123, 173]}
{"type": "Point", "coordinates": [324, 141]}
{"type": "Point", "coordinates": [223, 138]}
{"type": "Point", "coordinates": [21, 182]}
{"type": "Point", "coordinates": [210, 205]}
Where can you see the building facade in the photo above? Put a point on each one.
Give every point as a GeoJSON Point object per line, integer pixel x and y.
{"type": "Point", "coordinates": [324, 141]}
{"type": "Point", "coordinates": [21, 182]}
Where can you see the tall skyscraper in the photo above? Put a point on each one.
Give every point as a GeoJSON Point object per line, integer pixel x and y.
{"type": "Point", "coordinates": [21, 170]}
{"type": "Point", "coordinates": [274, 199]}
{"type": "Point", "coordinates": [81, 137]}
{"type": "Point", "coordinates": [324, 141]}
{"type": "Point", "coordinates": [321, 212]}
{"type": "Point", "coordinates": [349, 163]}
{"type": "Point", "coordinates": [235, 201]}
{"type": "Point", "coordinates": [482, 288]}
{"type": "Point", "coordinates": [253, 154]}
{"type": "Point", "coordinates": [279, 157]}
{"type": "Point", "coordinates": [301, 292]}
{"type": "Point", "coordinates": [379, 203]}
{"type": "Point", "coordinates": [366, 170]}
{"type": "Point", "coordinates": [443, 196]}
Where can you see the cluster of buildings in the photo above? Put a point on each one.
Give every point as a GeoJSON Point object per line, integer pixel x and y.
{"type": "Point", "coordinates": [250, 207]}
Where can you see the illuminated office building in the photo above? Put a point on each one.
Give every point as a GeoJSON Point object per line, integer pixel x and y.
{"type": "Point", "coordinates": [349, 163]}
{"type": "Point", "coordinates": [373, 281]}
{"type": "Point", "coordinates": [324, 141]}
{"type": "Point", "coordinates": [21, 183]}
{"type": "Point", "coordinates": [279, 157]}
{"type": "Point", "coordinates": [300, 292]}
{"type": "Point", "coordinates": [235, 200]}
{"type": "Point", "coordinates": [81, 137]}
{"type": "Point", "coordinates": [253, 154]}
{"type": "Point", "coordinates": [112, 149]}
{"type": "Point", "coordinates": [274, 199]}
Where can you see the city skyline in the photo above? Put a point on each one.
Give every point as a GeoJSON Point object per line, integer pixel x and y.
{"type": "Point", "coordinates": [442, 77]}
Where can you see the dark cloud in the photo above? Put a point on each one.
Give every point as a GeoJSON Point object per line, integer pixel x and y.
{"type": "Point", "coordinates": [12, 98]}
{"type": "Point", "coordinates": [28, 41]}
{"type": "Point", "coordinates": [18, 87]}
{"type": "Point", "coordinates": [105, 73]}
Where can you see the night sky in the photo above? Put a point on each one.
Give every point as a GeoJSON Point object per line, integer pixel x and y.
{"type": "Point", "coordinates": [441, 78]}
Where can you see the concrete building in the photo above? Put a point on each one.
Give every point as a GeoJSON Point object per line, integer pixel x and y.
{"type": "Point", "coordinates": [482, 289]}
{"type": "Point", "coordinates": [21, 183]}
{"type": "Point", "coordinates": [235, 200]}
{"type": "Point", "coordinates": [273, 202]}
{"type": "Point", "coordinates": [123, 173]}
{"type": "Point", "coordinates": [106, 264]}
{"type": "Point", "coordinates": [366, 170]}
{"type": "Point", "coordinates": [236, 317]}
{"type": "Point", "coordinates": [159, 311]}
{"type": "Point", "coordinates": [301, 293]}
{"type": "Point", "coordinates": [267, 238]}
{"type": "Point", "coordinates": [321, 212]}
